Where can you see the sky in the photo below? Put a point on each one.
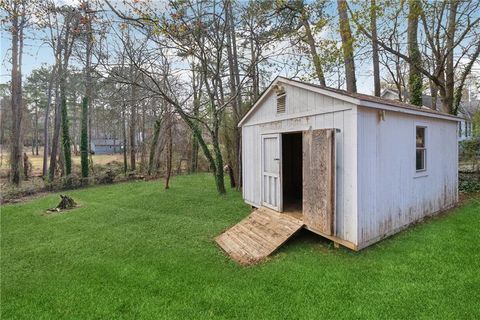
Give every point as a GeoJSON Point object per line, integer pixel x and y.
{"type": "Point", "coordinates": [37, 53]}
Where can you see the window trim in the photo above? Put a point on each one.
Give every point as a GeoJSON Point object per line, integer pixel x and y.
{"type": "Point", "coordinates": [421, 172]}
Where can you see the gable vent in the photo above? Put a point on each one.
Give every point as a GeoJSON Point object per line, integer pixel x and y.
{"type": "Point", "coordinates": [281, 99]}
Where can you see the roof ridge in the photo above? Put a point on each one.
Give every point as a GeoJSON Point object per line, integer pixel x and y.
{"type": "Point", "coordinates": [375, 99]}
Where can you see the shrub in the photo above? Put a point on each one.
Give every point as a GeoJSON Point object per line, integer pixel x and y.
{"type": "Point", "coordinates": [106, 177]}
{"type": "Point", "coordinates": [469, 182]}
{"type": "Point", "coordinates": [470, 149]}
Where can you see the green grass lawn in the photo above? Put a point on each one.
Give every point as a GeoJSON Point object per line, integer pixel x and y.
{"type": "Point", "coordinates": [137, 251]}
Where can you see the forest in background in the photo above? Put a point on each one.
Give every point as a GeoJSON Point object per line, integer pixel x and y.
{"type": "Point", "coordinates": [171, 80]}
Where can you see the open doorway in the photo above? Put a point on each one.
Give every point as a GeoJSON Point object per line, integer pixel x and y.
{"type": "Point", "coordinates": [292, 176]}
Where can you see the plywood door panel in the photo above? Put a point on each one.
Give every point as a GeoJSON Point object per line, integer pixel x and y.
{"type": "Point", "coordinates": [319, 179]}
{"type": "Point", "coordinates": [271, 171]}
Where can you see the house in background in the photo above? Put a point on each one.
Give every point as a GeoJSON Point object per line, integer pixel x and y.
{"type": "Point", "coordinates": [466, 111]}
{"type": "Point", "coordinates": [350, 167]}
{"type": "Point", "coordinates": [106, 146]}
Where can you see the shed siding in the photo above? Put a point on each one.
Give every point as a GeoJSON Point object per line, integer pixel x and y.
{"type": "Point", "coordinates": [299, 103]}
{"type": "Point", "coordinates": [305, 110]}
{"type": "Point", "coordinates": [391, 194]}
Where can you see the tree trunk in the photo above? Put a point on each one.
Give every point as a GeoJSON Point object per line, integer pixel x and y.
{"type": "Point", "coordinates": [375, 57]}
{"type": "Point", "coordinates": [74, 135]}
{"type": "Point", "coordinates": [169, 149]}
{"type": "Point", "coordinates": [153, 146]}
{"type": "Point", "coordinates": [66, 143]}
{"type": "Point", "coordinates": [194, 155]}
{"type": "Point", "coordinates": [16, 96]}
{"type": "Point", "coordinates": [196, 112]}
{"type": "Point", "coordinates": [219, 177]}
{"type": "Point", "coordinates": [84, 131]}
{"type": "Point", "coordinates": [133, 119]}
{"type": "Point", "coordinates": [254, 68]}
{"type": "Point", "coordinates": [46, 145]}
{"type": "Point", "coordinates": [124, 131]}
{"type": "Point", "coordinates": [84, 137]}
{"type": "Point", "coordinates": [347, 46]}
{"type": "Point", "coordinates": [35, 132]}
{"type": "Point", "coordinates": [143, 145]}
{"type": "Point", "coordinates": [313, 50]}
{"type": "Point", "coordinates": [234, 86]}
{"type": "Point", "coordinates": [61, 160]}
{"type": "Point", "coordinates": [25, 167]}
{"type": "Point", "coordinates": [415, 77]}
{"type": "Point", "coordinates": [238, 132]}
{"type": "Point", "coordinates": [56, 136]}
{"type": "Point", "coordinates": [213, 161]}
{"type": "Point", "coordinates": [449, 67]}
{"type": "Point", "coordinates": [434, 94]}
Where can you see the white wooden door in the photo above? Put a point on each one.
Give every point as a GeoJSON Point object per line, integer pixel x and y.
{"type": "Point", "coordinates": [272, 171]}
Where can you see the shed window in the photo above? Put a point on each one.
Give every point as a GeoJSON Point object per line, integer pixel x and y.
{"type": "Point", "coordinates": [281, 99]}
{"type": "Point", "coordinates": [421, 149]}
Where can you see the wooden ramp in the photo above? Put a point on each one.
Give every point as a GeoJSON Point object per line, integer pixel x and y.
{"type": "Point", "coordinates": [258, 235]}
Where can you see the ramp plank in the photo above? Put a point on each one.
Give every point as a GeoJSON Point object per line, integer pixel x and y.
{"type": "Point", "coordinates": [257, 236]}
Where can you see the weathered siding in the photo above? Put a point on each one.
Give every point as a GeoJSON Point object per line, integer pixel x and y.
{"type": "Point", "coordinates": [305, 110]}
{"type": "Point", "coordinates": [391, 194]}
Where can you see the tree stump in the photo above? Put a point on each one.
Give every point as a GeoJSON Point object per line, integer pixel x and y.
{"type": "Point", "coordinates": [65, 204]}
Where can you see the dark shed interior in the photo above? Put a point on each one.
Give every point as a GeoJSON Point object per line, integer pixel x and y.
{"type": "Point", "coordinates": [292, 155]}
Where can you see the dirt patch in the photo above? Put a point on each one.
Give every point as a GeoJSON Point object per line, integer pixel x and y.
{"type": "Point", "coordinates": [464, 197]}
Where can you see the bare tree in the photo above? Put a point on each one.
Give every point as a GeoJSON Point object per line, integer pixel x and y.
{"type": "Point", "coordinates": [449, 27]}
{"type": "Point", "coordinates": [191, 31]}
{"type": "Point", "coordinates": [197, 97]}
{"type": "Point", "coordinates": [16, 10]}
{"type": "Point", "coordinates": [62, 23]}
{"type": "Point", "coordinates": [303, 13]}
{"type": "Point", "coordinates": [87, 98]}
{"type": "Point", "coordinates": [234, 74]}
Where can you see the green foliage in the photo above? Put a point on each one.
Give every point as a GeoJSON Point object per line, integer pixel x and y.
{"type": "Point", "coordinates": [415, 88]}
{"type": "Point", "coordinates": [135, 250]}
{"type": "Point", "coordinates": [36, 86]}
{"type": "Point", "coordinates": [469, 182]}
{"type": "Point", "coordinates": [476, 124]}
{"type": "Point", "coordinates": [470, 149]}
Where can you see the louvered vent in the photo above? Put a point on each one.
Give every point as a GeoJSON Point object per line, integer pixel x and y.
{"type": "Point", "coordinates": [281, 99]}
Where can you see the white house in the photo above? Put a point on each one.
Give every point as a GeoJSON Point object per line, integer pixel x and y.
{"type": "Point", "coordinates": [106, 146]}
{"type": "Point", "coordinates": [350, 167]}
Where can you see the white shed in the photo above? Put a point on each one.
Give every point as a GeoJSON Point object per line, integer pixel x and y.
{"type": "Point", "coordinates": [351, 167]}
